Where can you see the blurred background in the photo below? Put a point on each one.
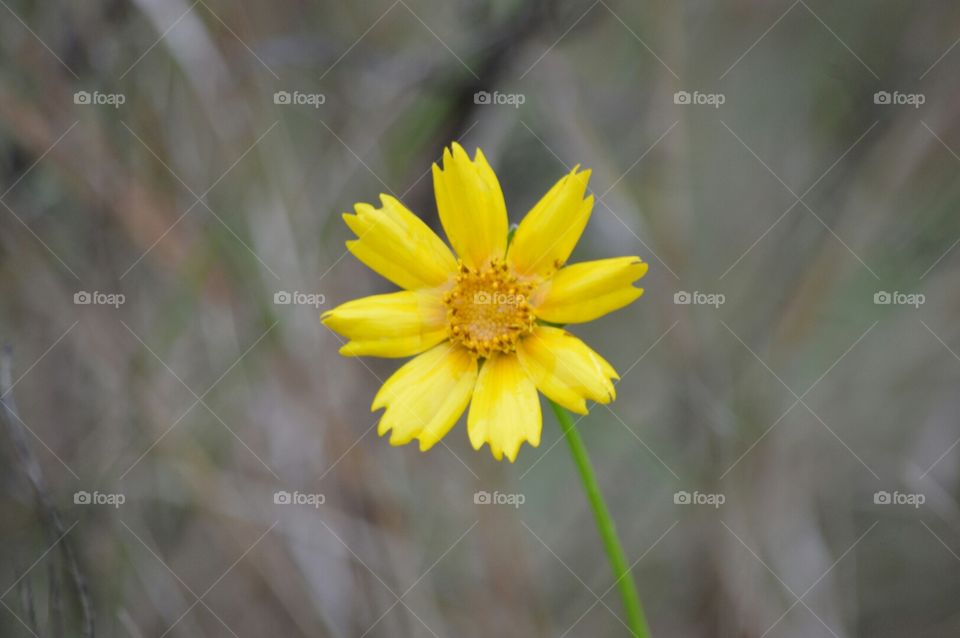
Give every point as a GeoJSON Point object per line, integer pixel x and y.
{"type": "Point", "coordinates": [184, 453]}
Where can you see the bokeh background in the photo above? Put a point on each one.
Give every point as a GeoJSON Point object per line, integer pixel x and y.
{"type": "Point", "coordinates": [788, 187]}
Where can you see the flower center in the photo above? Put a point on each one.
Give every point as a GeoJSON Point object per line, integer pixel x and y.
{"type": "Point", "coordinates": [488, 309]}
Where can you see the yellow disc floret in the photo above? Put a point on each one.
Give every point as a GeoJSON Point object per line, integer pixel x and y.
{"type": "Point", "coordinates": [488, 309]}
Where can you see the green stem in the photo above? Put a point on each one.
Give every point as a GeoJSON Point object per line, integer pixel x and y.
{"type": "Point", "coordinates": [636, 619]}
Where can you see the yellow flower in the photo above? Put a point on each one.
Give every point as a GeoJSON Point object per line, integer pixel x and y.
{"type": "Point", "coordinates": [479, 325]}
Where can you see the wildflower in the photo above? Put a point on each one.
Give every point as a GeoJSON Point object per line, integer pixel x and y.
{"type": "Point", "coordinates": [482, 327]}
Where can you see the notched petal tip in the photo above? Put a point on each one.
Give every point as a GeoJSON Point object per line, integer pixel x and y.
{"type": "Point", "coordinates": [448, 154]}
{"type": "Point", "coordinates": [426, 443]}
{"type": "Point", "coordinates": [579, 407]}
{"type": "Point", "coordinates": [479, 156]}
{"type": "Point", "coordinates": [354, 222]}
{"type": "Point", "coordinates": [582, 176]}
{"type": "Point", "coordinates": [396, 440]}
{"type": "Point", "coordinates": [459, 152]}
{"type": "Point", "coordinates": [348, 350]}
{"type": "Point", "coordinates": [379, 401]}
{"type": "Point", "coordinates": [640, 267]}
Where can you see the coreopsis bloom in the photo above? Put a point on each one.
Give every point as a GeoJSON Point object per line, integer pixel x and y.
{"type": "Point", "coordinates": [479, 324]}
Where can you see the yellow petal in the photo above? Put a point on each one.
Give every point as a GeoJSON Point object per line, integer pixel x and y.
{"type": "Point", "coordinates": [426, 396]}
{"type": "Point", "coordinates": [395, 243]}
{"type": "Point", "coordinates": [399, 324]}
{"type": "Point", "coordinates": [471, 206]}
{"type": "Point", "coordinates": [591, 289]}
{"type": "Point", "coordinates": [546, 236]}
{"type": "Point", "coordinates": [505, 410]}
{"type": "Point", "coordinates": [565, 368]}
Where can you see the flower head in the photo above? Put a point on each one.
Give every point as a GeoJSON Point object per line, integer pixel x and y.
{"type": "Point", "coordinates": [479, 325]}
